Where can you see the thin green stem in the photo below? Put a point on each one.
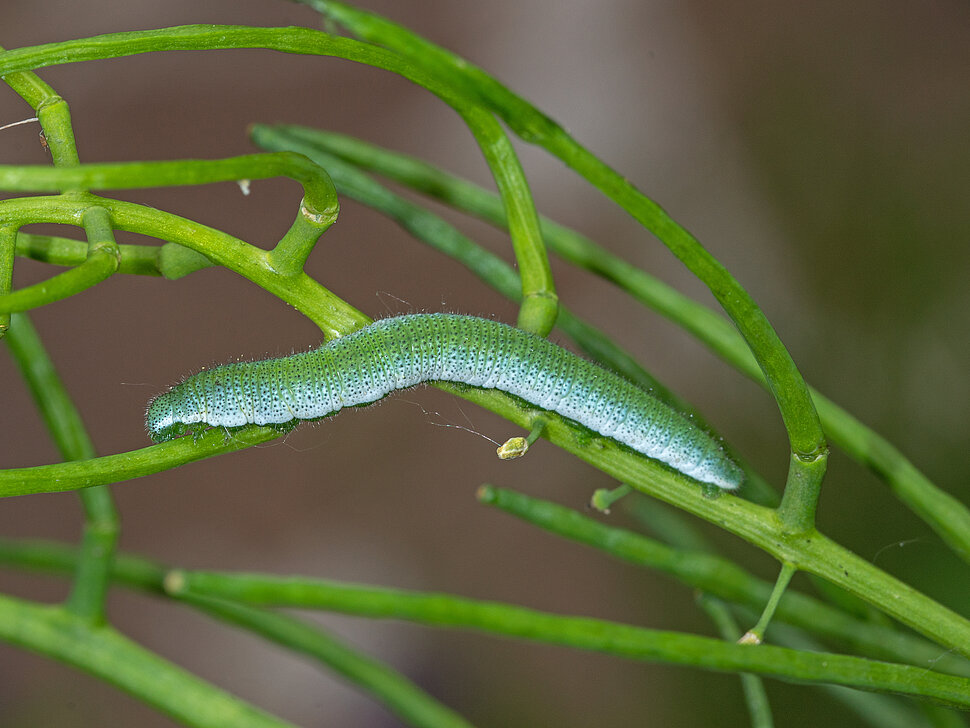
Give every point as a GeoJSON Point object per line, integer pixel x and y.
{"type": "Point", "coordinates": [87, 597]}
{"type": "Point", "coordinates": [401, 696]}
{"type": "Point", "coordinates": [576, 632]}
{"type": "Point", "coordinates": [539, 306]}
{"type": "Point", "coordinates": [102, 260]}
{"type": "Point", "coordinates": [8, 247]}
{"type": "Point", "coordinates": [320, 196]}
{"type": "Point", "coordinates": [756, 634]}
{"type": "Point", "coordinates": [107, 469]}
{"type": "Point", "coordinates": [669, 525]}
{"type": "Point", "coordinates": [60, 416]}
{"type": "Point", "coordinates": [784, 381]}
{"type": "Point", "coordinates": [754, 688]}
{"type": "Point", "coordinates": [721, 578]}
{"type": "Point", "coordinates": [53, 114]}
{"type": "Point", "coordinates": [104, 653]}
{"type": "Point", "coordinates": [603, 498]}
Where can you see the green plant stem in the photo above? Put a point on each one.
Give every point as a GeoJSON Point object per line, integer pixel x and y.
{"type": "Point", "coordinates": [401, 696]}
{"type": "Point", "coordinates": [669, 525]}
{"type": "Point", "coordinates": [330, 313]}
{"type": "Point", "coordinates": [754, 689]}
{"type": "Point", "coordinates": [63, 421]}
{"type": "Point", "coordinates": [145, 575]}
{"type": "Point", "coordinates": [98, 267]}
{"type": "Point", "coordinates": [170, 260]}
{"type": "Point", "coordinates": [576, 632]}
{"type": "Point", "coordinates": [52, 111]}
{"type": "Point", "coordinates": [107, 469]}
{"type": "Point", "coordinates": [104, 653]}
{"type": "Point", "coordinates": [8, 243]}
{"type": "Point", "coordinates": [135, 259]}
{"type": "Point", "coordinates": [602, 500]}
{"type": "Point", "coordinates": [723, 579]}
{"type": "Point", "coordinates": [318, 210]}
{"type": "Point", "coordinates": [945, 514]}
{"type": "Point", "coordinates": [539, 302]}
{"type": "Point", "coordinates": [880, 711]}
{"type": "Point", "coordinates": [319, 193]}
{"type": "Point", "coordinates": [757, 633]}
{"type": "Point", "coordinates": [784, 381]}
{"type": "Point", "coordinates": [504, 165]}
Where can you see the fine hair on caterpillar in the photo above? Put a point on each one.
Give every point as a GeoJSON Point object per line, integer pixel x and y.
{"type": "Point", "coordinates": [402, 351]}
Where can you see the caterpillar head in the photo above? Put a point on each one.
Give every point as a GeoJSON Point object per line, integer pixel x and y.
{"type": "Point", "coordinates": [160, 420]}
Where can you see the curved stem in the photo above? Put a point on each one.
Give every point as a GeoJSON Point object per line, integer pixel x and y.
{"type": "Point", "coordinates": [784, 380]}
{"type": "Point", "coordinates": [100, 266]}
{"type": "Point", "coordinates": [330, 313]}
{"type": "Point", "coordinates": [539, 301]}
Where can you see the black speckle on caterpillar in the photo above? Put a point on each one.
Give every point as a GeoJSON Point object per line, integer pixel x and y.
{"type": "Point", "coordinates": [400, 352]}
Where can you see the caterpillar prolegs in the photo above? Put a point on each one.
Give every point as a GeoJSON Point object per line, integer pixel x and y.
{"type": "Point", "coordinates": [400, 352]}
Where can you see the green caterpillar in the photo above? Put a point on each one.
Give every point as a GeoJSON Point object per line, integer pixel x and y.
{"type": "Point", "coordinates": [400, 352]}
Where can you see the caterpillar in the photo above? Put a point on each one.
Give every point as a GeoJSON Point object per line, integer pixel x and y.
{"type": "Point", "coordinates": [402, 351]}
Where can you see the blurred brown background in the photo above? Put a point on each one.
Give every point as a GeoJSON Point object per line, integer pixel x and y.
{"type": "Point", "coordinates": [820, 151]}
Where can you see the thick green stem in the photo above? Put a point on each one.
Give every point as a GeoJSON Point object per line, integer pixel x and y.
{"type": "Point", "coordinates": [52, 113]}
